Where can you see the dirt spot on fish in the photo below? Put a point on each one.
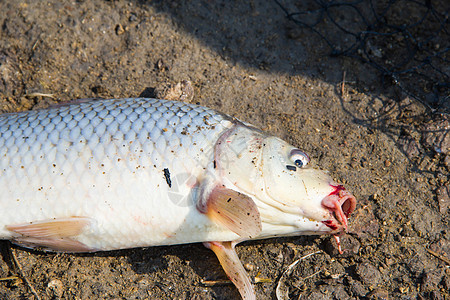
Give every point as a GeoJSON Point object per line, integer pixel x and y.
{"type": "Point", "coordinates": [167, 177]}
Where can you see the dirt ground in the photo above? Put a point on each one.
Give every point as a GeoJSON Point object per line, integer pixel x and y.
{"type": "Point", "coordinates": [383, 145]}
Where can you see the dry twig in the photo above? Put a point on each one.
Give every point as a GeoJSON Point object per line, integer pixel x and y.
{"type": "Point", "coordinates": [441, 257]}
{"type": "Point", "coordinates": [288, 271]}
{"type": "Point", "coordinates": [343, 85]}
{"type": "Point", "coordinates": [22, 274]}
{"type": "Point", "coordinates": [40, 95]}
{"type": "Point", "coordinates": [216, 282]}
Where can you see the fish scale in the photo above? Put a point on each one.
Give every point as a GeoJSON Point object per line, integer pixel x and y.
{"type": "Point", "coordinates": [92, 153]}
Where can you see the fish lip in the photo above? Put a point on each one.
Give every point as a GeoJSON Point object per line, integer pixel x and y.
{"type": "Point", "coordinates": [341, 204]}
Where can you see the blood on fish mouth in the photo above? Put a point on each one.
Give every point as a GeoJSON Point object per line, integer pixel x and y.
{"type": "Point", "coordinates": [341, 204]}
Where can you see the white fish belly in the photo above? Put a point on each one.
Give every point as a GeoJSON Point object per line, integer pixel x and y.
{"type": "Point", "coordinates": [111, 161]}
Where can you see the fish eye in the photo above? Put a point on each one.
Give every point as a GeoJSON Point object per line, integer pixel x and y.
{"type": "Point", "coordinates": [298, 163]}
{"type": "Point", "coordinates": [299, 158]}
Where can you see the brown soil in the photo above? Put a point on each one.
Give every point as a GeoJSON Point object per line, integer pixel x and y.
{"type": "Point", "coordinates": [382, 145]}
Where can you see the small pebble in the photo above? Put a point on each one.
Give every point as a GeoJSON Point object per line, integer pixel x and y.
{"type": "Point", "coordinates": [56, 288]}
{"type": "Point", "coordinates": [249, 267]}
{"type": "Point", "coordinates": [368, 274]}
{"type": "Point", "coordinates": [119, 29]}
{"type": "Point", "coordinates": [378, 294]}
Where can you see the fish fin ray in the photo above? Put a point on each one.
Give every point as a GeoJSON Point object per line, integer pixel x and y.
{"type": "Point", "coordinates": [232, 266]}
{"type": "Point", "coordinates": [235, 211]}
{"type": "Point", "coordinates": [52, 234]}
{"type": "Point", "coordinates": [52, 244]}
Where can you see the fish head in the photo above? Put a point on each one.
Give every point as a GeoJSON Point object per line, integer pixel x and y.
{"type": "Point", "coordinates": [292, 197]}
{"type": "Point", "coordinates": [307, 197]}
{"type": "Point", "coordinates": [263, 187]}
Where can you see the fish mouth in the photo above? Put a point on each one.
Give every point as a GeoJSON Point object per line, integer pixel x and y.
{"type": "Point", "coordinates": [341, 204]}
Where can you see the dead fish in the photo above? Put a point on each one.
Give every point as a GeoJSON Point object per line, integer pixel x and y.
{"type": "Point", "coordinates": [124, 173]}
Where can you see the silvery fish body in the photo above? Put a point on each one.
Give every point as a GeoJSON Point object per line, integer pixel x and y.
{"type": "Point", "coordinates": [111, 161]}
{"type": "Point", "coordinates": [121, 173]}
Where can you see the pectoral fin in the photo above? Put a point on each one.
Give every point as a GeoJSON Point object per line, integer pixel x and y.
{"type": "Point", "coordinates": [232, 266]}
{"type": "Point", "coordinates": [54, 234]}
{"type": "Point", "coordinates": [235, 211]}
